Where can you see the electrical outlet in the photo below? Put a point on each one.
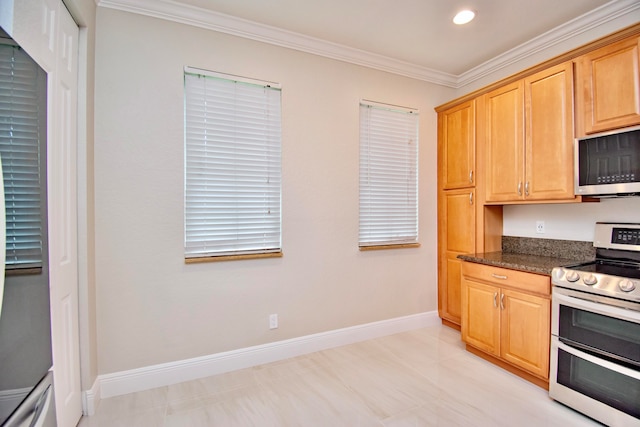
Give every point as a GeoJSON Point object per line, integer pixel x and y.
{"type": "Point", "coordinates": [273, 321]}
{"type": "Point", "coordinates": [540, 227]}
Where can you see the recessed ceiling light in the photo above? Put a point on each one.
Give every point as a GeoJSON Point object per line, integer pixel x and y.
{"type": "Point", "coordinates": [463, 17]}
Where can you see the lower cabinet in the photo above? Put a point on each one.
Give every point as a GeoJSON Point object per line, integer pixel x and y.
{"type": "Point", "coordinates": [507, 315]}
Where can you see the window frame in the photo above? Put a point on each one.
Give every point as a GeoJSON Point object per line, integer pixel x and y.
{"type": "Point", "coordinates": [256, 144]}
{"type": "Point", "coordinates": [377, 177]}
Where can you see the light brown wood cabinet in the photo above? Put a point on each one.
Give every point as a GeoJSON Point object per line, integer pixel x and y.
{"type": "Point", "coordinates": [456, 202]}
{"type": "Point", "coordinates": [465, 224]}
{"type": "Point", "coordinates": [608, 87]}
{"type": "Point", "coordinates": [529, 138]}
{"type": "Point", "coordinates": [457, 228]}
{"type": "Point", "coordinates": [457, 146]}
{"type": "Point", "coordinates": [507, 314]}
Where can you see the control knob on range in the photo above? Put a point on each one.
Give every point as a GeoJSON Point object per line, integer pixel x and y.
{"type": "Point", "coordinates": [626, 285]}
{"type": "Point", "coordinates": [590, 280]}
{"type": "Point", "coordinates": [572, 276]}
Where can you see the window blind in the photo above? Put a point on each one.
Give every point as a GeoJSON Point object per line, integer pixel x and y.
{"type": "Point", "coordinates": [22, 131]}
{"type": "Point", "coordinates": [232, 166]}
{"type": "Point", "coordinates": [388, 175]}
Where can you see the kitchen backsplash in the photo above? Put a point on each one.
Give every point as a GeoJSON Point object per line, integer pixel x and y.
{"type": "Point", "coordinates": [569, 249]}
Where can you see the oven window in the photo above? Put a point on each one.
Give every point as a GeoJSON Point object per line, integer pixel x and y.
{"type": "Point", "coordinates": [620, 339]}
{"type": "Point", "coordinates": [609, 387]}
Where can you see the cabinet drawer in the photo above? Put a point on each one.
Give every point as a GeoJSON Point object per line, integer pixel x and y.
{"type": "Point", "coordinates": [508, 278]}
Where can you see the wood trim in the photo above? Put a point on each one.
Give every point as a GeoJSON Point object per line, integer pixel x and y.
{"type": "Point", "coordinates": [568, 56]}
{"type": "Point", "coordinates": [231, 257]}
{"type": "Point", "coordinates": [382, 247]}
{"type": "Point", "coordinates": [576, 199]}
{"type": "Point", "coordinates": [451, 325]}
{"type": "Point", "coordinates": [509, 367]}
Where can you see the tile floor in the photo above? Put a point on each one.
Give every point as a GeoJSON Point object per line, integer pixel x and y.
{"type": "Point", "coordinates": [417, 378]}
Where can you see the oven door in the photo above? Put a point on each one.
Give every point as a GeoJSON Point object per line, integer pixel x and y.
{"type": "Point", "coordinates": [595, 356]}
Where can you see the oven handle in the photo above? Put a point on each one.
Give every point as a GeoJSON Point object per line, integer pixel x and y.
{"type": "Point", "coordinates": [628, 372]}
{"type": "Point", "coordinates": [596, 351]}
{"type": "Point", "coordinates": [597, 304]}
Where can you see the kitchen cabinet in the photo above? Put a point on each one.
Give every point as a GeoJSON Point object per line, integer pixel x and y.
{"type": "Point", "coordinates": [507, 315]}
{"type": "Point", "coordinates": [457, 147]}
{"type": "Point", "coordinates": [608, 87]}
{"type": "Point", "coordinates": [457, 228]}
{"type": "Point", "coordinates": [456, 202]}
{"type": "Point", "coordinates": [465, 224]}
{"type": "Point", "coordinates": [529, 138]}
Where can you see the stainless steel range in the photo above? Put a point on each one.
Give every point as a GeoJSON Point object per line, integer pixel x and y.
{"type": "Point", "coordinates": [595, 329]}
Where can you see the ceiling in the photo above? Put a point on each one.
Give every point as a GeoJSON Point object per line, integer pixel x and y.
{"type": "Point", "coordinates": [417, 37]}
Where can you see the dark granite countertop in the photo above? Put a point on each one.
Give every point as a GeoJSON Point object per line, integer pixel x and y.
{"type": "Point", "coordinates": [535, 255]}
{"type": "Point", "coordinates": [524, 262]}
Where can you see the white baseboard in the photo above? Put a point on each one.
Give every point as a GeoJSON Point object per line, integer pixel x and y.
{"type": "Point", "coordinates": [91, 399]}
{"type": "Point", "coordinates": [124, 382]}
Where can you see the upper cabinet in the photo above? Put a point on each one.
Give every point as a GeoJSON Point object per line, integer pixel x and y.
{"type": "Point", "coordinates": [505, 143]}
{"type": "Point", "coordinates": [529, 138]}
{"type": "Point", "coordinates": [608, 92]}
{"type": "Point", "coordinates": [457, 147]}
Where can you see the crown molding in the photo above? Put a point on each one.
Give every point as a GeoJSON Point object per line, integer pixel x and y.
{"type": "Point", "coordinates": [566, 31]}
{"type": "Point", "coordinates": [191, 15]}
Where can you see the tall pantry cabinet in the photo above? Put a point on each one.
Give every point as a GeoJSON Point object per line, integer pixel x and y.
{"type": "Point", "coordinates": [456, 202]}
{"type": "Point", "coordinates": [460, 199]}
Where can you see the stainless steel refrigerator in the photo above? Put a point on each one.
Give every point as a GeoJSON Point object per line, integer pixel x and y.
{"type": "Point", "coordinates": [26, 380]}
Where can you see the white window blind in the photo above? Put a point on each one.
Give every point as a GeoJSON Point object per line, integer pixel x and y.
{"type": "Point", "coordinates": [388, 175]}
{"type": "Point", "coordinates": [22, 131]}
{"type": "Point", "coordinates": [232, 165]}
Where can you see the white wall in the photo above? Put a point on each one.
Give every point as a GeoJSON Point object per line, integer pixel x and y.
{"type": "Point", "coordinates": [152, 308]}
{"type": "Point", "coordinates": [570, 221]}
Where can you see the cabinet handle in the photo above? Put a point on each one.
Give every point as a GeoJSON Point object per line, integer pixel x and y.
{"type": "Point", "coordinates": [501, 301]}
{"type": "Point", "coordinates": [519, 188]}
{"type": "Point", "coordinates": [471, 177]}
{"type": "Point", "coordinates": [470, 198]}
{"type": "Point", "coordinates": [495, 299]}
{"type": "Point", "coordinates": [526, 189]}
{"type": "Point", "coordinates": [499, 276]}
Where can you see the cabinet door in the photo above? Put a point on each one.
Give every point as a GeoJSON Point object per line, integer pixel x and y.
{"type": "Point", "coordinates": [457, 146]}
{"type": "Point", "coordinates": [504, 143]}
{"type": "Point", "coordinates": [481, 316]}
{"type": "Point", "coordinates": [609, 96]}
{"type": "Point", "coordinates": [549, 134]}
{"type": "Point", "coordinates": [526, 331]}
{"type": "Point", "coordinates": [456, 236]}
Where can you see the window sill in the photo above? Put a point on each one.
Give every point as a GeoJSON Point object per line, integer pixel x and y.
{"type": "Point", "coordinates": [22, 271]}
{"type": "Point", "coordinates": [381, 247]}
{"type": "Point", "coordinates": [231, 257]}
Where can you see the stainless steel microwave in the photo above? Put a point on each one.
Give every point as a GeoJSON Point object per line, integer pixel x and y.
{"type": "Point", "coordinates": [608, 164]}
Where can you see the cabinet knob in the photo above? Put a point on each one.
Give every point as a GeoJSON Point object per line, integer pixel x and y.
{"type": "Point", "coordinates": [470, 198]}
{"type": "Point", "coordinates": [501, 301]}
{"type": "Point", "coordinates": [526, 189]}
{"type": "Point", "coordinates": [519, 188]}
{"type": "Point", "coordinates": [471, 177]}
{"type": "Point", "coordinates": [495, 299]}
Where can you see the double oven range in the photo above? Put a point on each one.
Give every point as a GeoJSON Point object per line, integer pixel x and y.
{"type": "Point", "coordinates": [595, 329]}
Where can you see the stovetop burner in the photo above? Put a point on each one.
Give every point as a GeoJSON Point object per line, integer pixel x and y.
{"type": "Point", "coordinates": [610, 268]}
{"type": "Point", "coordinates": [616, 270]}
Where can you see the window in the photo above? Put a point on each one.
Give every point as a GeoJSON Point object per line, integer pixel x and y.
{"type": "Point", "coordinates": [232, 166]}
{"type": "Point", "coordinates": [388, 175]}
{"type": "Point", "coordinates": [23, 120]}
